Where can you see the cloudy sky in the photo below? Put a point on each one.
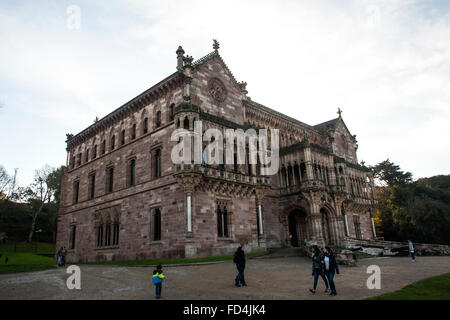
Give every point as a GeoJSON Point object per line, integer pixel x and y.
{"type": "Point", "coordinates": [386, 64]}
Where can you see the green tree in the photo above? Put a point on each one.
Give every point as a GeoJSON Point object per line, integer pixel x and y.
{"type": "Point", "coordinates": [388, 175]}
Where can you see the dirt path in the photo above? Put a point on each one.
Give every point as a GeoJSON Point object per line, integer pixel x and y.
{"type": "Point", "coordinates": [268, 278]}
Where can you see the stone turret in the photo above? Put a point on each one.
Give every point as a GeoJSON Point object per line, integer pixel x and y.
{"type": "Point", "coordinates": [180, 56]}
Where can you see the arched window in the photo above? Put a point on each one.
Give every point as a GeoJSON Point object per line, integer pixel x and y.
{"type": "Point", "coordinates": [108, 234]}
{"type": "Point", "coordinates": [116, 233]}
{"type": "Point", "coordinates": [94, 154]}
{"type": "Point", "coordinates": [186, 123]}
{"type": "Point", "coordinates": [145, 125]}
{"type": "Point", "coordinates": [178, 123]}
{"type": "Point", "coordinates": [100, 235]}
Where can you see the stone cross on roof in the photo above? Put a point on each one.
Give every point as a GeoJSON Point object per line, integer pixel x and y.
{"type": "Point", "coordinates": [339, 112]}
{"type": "Point", "coordinates": [216, 45]}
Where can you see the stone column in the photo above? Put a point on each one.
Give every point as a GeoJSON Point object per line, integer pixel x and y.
{"type": "Point", "coordinates": [331, 170]}
{"type": "Point", "coordinates": [308, 164]}
{"type": "Point", "coordinates": [374, 232]}
{"type": "Point", "coordinates": [189, 211]}
{"type": "Point", "coordinates": [313, 198]}
{"type": "Point", "coordinates": [189, 180]}
{"type": "Point", "coordinates": [260, 193]}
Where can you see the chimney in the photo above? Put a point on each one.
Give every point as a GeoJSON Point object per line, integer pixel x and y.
{"type": "Point", "coordinates": [180, 54]}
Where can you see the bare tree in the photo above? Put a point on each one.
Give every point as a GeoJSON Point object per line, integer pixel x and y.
{"type": "Point", "coordinates": [39, 193]}
{"type": "Point", "coordinates": [5, 181]}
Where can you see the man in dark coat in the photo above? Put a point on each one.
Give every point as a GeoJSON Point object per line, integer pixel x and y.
{"type": "Point", "coordinates": [239, 260]}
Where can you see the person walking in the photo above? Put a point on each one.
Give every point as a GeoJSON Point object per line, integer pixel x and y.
{"type": "Point", "coordinates": [59, 257]}
{"type": "Point", "coordinates": [64, 254]}
{"type": "Point", "coordinates": [331, 268]}
{"type": "Point", "coordinates": [239, 260]}
{"type": "Point", "coordinates": [158, 279]}
{"type": "Point", "coordinates": [317, 268]}
{"type": "Point", "coordinates": [411, 251]}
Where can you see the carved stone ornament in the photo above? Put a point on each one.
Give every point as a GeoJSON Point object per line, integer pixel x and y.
{"type": "Point", "coordinates": [217, 90]}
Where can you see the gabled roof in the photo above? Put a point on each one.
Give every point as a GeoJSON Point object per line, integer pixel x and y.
{"type": "Point", "coordinates": [324, 125]}
{"type": "Point", "coordinates": [210, 56]}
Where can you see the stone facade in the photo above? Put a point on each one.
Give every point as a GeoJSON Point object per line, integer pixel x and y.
{"type": "Point", "coordinates": [123, 197]}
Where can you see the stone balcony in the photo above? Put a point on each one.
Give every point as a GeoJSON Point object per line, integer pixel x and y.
{"type": "Point", "coordinates": [210, 172]}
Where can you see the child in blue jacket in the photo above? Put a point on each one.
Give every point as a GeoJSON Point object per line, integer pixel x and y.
{"type": "Point", "coordinates": [158, 278]}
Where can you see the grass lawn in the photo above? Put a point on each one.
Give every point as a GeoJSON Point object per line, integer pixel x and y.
{"type": "Point", "coordinates": [22, 257]}
{"type": "Point", "coordinates": [154, 262]}
{"type": "Point", "coordinates": [434, 288]}
{"type": "Point", "coordinates": [19, 262]}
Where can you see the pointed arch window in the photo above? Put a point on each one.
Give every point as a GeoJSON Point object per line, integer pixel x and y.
{"type": "Point", "coordinates": [145, 125]}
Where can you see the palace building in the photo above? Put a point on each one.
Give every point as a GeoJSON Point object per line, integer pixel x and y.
{"type": "Point", "coordinates": [123, 198]}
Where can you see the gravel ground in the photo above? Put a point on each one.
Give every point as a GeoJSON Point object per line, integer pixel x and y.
{"type": "Point", "coordinates": [268, 278]}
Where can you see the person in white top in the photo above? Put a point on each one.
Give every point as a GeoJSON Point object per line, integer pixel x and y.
{"type": "Point", "coordinates": [411, 251]}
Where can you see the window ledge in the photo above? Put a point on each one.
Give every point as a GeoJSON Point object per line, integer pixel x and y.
{"type": "Point", "coordinates": [106, 248]}
{"type": "Point", "coordinates": [224, 239]}
{"type": "Point", "coordinates": [156, 242]}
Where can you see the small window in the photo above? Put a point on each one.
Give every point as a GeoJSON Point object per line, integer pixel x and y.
{"type": "Point", "coordinates": [76, 191]}
{"type": "Point", "coordinates": [157, 225]}
{"type": "Point", "coordinates": [132, 179]}
{"type": "Point", "coordinates": [108, 234]}
{"type": "Point", "coordinates": [109, 180]}
{"type": "Point", "coordinates": [72, 237]}
{"type": "Point", "coordinates": [116, 233]}
{"type": "Point", "coordinates": [172, 112]}
{"type": "Point", "coordinates": [94, 154]}
{"type": "Point", "coordinates": [158, 119]}
{"type": "Point", "coordinates": [87, 155]}
{"type": "Point", "coordinates": [133, 132]}
{"type": "Point", "coordinates": [186, 123]}
{"type": "Point", "coordinates": [157, 163]}
{"type": "Point", "coordinates": [103, 147]}
{"type": "Point", "coordinates": [100, 235]}
{"type": "Point", "coordinates": [113, 142]}
{"type": "Point", "coordinates": [145, 126]}
{"type": "Point", "coordinates": [122, 137]}
{"type": "Point", "coordinates": [222, 221]}
{"type": "Point", "coordinates": [79, 159]}
{"type": "Point", "coordinates": [91, 186]}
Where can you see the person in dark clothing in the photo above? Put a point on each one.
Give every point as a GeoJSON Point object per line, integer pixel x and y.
{"type": "Point", "coordinates": [331, 268]}
{"type": "Point", "coordinates": [317, 268]}
{"type": "Point", "coordinates": [239, 260]}
{"type": "Point", "coordinates": [157, 280]}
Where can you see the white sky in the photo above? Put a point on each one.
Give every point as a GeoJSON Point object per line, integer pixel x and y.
{"type": "Point", "coordinates": [386, 64]}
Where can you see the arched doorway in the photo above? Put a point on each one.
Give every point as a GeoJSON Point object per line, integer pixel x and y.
{"type": "Point", "coordinates": [297, 228]}
{"type": "Point", "coordinates": [325, 225]}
